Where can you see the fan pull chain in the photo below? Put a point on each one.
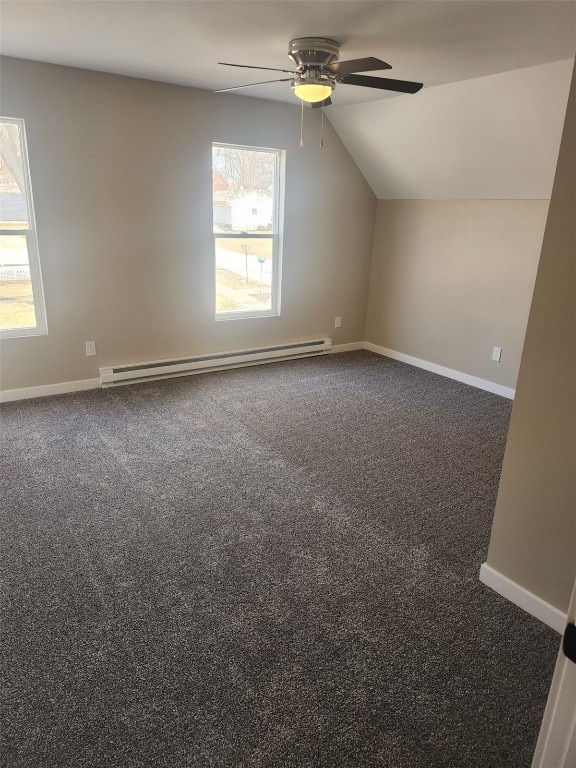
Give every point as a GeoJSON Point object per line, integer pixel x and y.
{"type": "Point", "coordinates": [322, 128]}
{"type": "Point", "coordinates": [302, 126]}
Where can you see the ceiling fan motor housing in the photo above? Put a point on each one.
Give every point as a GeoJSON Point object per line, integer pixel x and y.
{"type": "Point", "coordinates": [317, 52]}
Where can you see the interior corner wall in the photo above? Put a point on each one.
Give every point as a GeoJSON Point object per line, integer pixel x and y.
{"type": "Point", "coordinates": [533, 540]}
{"type": "Point", "coordinates": [451, 279]}
{"type": "Point", "coordinates": [121, 179]}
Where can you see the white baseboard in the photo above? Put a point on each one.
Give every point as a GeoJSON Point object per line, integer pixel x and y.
{"type": "Point", "coordinates": [25, 393]}
{"type": "Point", "coordinates": [351, 347]}
{"type": "Point", "coordinates": [524, 599]}
{"type": "Point", "coordinates": [48, 389]}
{"type": "Point", "coordinates": [450, 373]}
{"type": "Point", "coordinates": [77, 386]}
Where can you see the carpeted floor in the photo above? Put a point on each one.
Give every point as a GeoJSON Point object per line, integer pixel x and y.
{"type": "Point", "coordinates": [269, 567]}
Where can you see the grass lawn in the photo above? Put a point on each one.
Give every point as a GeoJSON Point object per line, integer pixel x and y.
{"type": "Point", "coordinates": [233, 291]}
{"type": "Point", "coordinates": [16, 304]}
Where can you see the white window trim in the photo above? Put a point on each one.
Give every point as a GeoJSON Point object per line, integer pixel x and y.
{"type": "Point", "coordinates": [41, 327]}
{"type": "Point", "coordinates": [276, 237]}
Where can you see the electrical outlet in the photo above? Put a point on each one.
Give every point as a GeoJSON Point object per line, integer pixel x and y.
{"type": "Point", "coordinates": [337, 322]}
{"type": "Point", "coordinates": [90, 348]}
{"type": "Point", "coordinates": [496, 354]}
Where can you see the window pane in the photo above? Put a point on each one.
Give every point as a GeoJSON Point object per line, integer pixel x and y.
{"type": "Point", "coordinates": [16, 300]}
{"type": "Point", "coordinates": [243, 274]}
{"type": "Point", "coordinates": [13, 205]}
{"type": "Point", "coordinates": [243, 189]}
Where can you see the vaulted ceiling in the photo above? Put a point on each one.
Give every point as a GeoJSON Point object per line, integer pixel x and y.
{"type": "Point", "coordinates": [487, 123]}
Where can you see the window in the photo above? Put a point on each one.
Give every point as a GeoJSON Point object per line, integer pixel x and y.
{"type": "Point", "coordinates": [247, 204]}
{"type": "Point", "coordinates": [21, 300]}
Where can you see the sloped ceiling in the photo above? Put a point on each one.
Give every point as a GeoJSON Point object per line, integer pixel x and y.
{"type": "Point", "coordinates": [492, 137]}
{"type": "Point", "coordinates": [490, 86]}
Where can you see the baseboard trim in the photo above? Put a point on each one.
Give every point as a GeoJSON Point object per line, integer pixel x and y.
{"type": "Point", "coordinates": [351, 347]}
{"type": "Point", "coordinates": [450, 373]}
{"type": "Point", "coordinates": [26, 393]}
{"type": "Point", "coordinates": [524, 599]}
{"type": "Point", "coordinates": [78, 386]}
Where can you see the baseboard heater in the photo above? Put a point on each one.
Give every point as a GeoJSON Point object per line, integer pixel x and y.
{"type": "Point", "coordinates": [186, 366]}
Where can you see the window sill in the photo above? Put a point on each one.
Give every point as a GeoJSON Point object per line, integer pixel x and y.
{"type": "Point", "coordinates": [244, 315]}
{"type": "Point", "coordinates": [21, 333]}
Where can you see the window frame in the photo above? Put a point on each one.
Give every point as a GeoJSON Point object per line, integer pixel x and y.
{"type": "Point", "coordinates": [276, 236]}
{"type": "Point", "coordinates": [41, 327]}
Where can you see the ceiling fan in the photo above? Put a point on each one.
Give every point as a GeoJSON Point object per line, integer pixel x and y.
{"type": "Point", "coordinates": [318, 71]}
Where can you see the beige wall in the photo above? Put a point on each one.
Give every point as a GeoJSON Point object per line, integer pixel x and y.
{"type": "Point", "coordinates": [534, 533]}
{"type": "Point", "coordinates": [121, 177]}
{"type": "Point", "coordinates": [453, 278]}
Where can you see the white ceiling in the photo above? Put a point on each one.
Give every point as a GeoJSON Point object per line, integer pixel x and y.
{"type": "Point", "coordinates": [437, 42]}
{"type": "Point", "coordinates": [495, 137]}
{"type": "Point", "coordinates": [431, 41]}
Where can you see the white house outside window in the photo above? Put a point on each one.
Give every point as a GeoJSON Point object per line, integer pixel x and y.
{"type": "Point", "coordinates": [21, 299]}
{"type": "Point", "coordinates": [247, 216]}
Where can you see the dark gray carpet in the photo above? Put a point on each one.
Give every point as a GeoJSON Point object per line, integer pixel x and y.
{"type": "Point", "coordinates": [268, 567]}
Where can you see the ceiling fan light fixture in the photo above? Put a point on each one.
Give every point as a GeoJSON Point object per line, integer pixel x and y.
{"type": "Point", "coordinates": [312, 91]}
{"type": "Point", "coordinates": [318, 70]}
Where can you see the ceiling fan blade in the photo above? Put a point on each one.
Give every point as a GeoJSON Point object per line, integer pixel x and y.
{"type": "Point", "coordinates": [248, 85]}
{"type": "Point", "coordinates": [384, 83]}
{"type": "Point", "coordinates": [368, 64]}
{"type": "Point", "coordinates": [249, 66]}
{"type": "Point", "coordinates": [325, 103]}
